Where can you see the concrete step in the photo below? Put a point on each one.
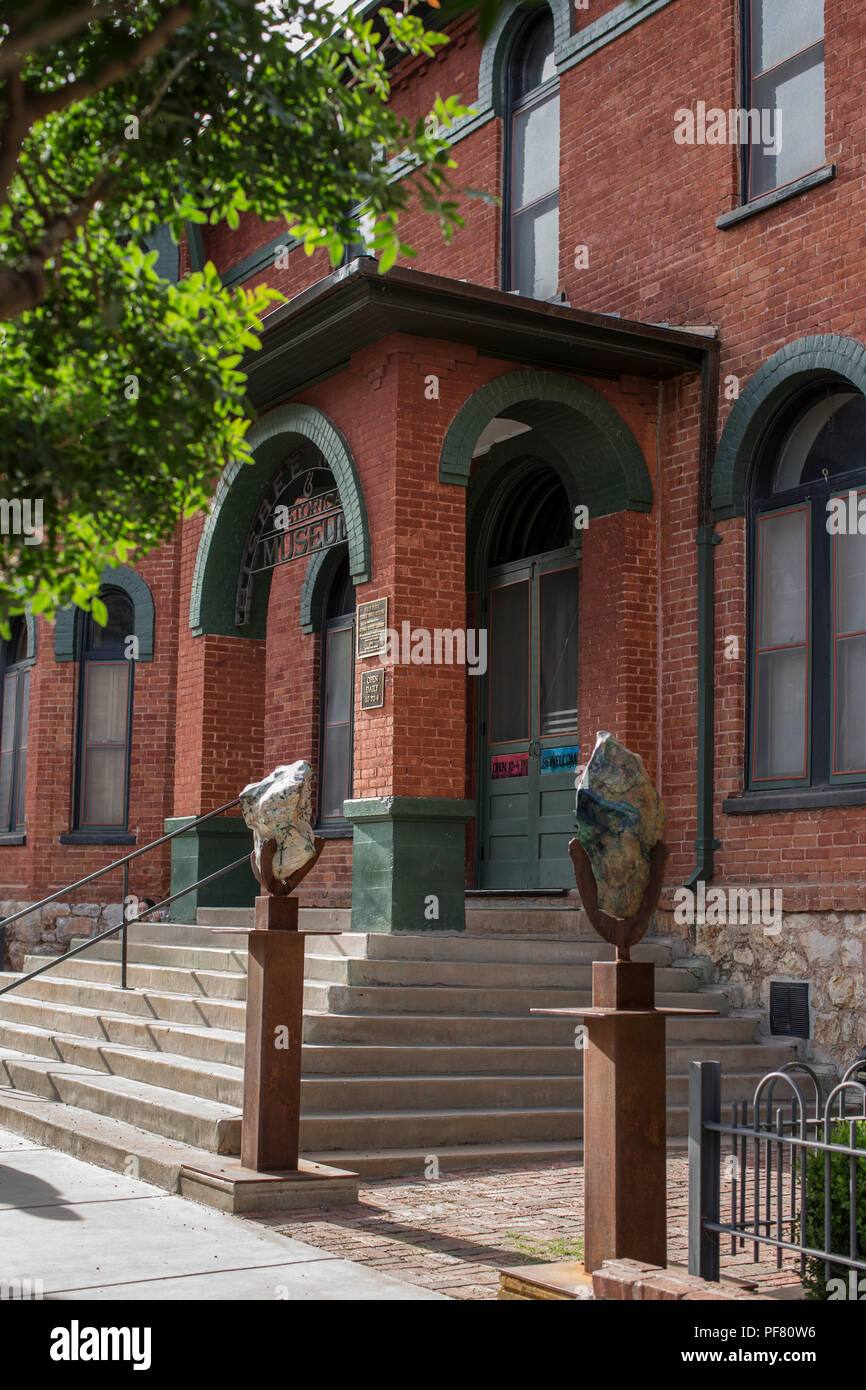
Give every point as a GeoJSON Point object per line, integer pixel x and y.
{"type": "Point", "coordinates": [505, 975]}
{"type": "Point", "coordinates": [343, 1131]}
{"type": "Point", "coordinates": [217, 984]}
{"type": "Point", "coordinates": [577, 950]}
{"type": "Point", "coordinates": [202, 1042]}
{"type": "Point", "coordinates": [150, 953]}
{"type": "Point", "coordinates": [109, 1143]}
{"type": "Point", "coordinates": [191, 1120]}
{"type": "Point", "coordinates": [177, 1008]}
{"type": "Point", "coordinates": [496, 1030]}
{"type": "Point", "coordinates": [309, 918]}
{"type": "Point", "coordinates": [510, 1003]}
{"type": "Point", "coordinates": [421, 1164]}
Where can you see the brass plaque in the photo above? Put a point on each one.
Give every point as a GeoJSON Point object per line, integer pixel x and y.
{"type": "Point", "coordinates": [372, 689]}
{"type": "Point", "coordinates": [371, 625]}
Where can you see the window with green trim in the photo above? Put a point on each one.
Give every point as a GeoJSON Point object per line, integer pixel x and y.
{"type": "Point", "coordinates": [807, 689]}
{"type": "Point", "coordinates": [530, 252]}
{"type": "Point", "coordinates": [14, 710]}
{"type": "Point", "coordinates": [105, 717]}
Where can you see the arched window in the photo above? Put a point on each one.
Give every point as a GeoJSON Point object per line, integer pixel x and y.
{"type": "Point", "coordinates": [338, 684]}
{"type": "Point", "coordinates": [531, 241]}
{"type": "Point", "coordinates": [14, 706]}
{"type": "Point", "coordinates": [105, 717]}
{"type": "Point", "coordinates": [808, 619]}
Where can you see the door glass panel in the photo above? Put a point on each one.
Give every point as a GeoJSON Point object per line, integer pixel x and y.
{"type": "Point", "coordinates": [104, 786]}
{"type": "Point", "coordinates": [780, 724]}
{"type": "Point", "coordinates": [783, 602]}
{"type": "Point", "coordinates": [557, 640]}
{"type": "Point", "coordinates": [339, 693]}
{"type": "Point", "coordinates": [6, 761]}
{"type": "Point", "coordinates": [509, 659]}
{"type": "Point", "coordinates": [335, 779]}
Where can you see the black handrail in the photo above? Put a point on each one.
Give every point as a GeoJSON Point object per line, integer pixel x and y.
{"type": "Point", "coordinates": [125, 922]}
{"type": "Point", "coordinates": [121, 926]}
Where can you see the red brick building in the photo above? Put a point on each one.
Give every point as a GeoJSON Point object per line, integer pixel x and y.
{"type": "Point", "coordinates": [602, 441]}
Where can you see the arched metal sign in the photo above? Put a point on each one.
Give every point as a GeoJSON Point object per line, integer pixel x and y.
{"type": "Point", "coordinates": [299, 514]}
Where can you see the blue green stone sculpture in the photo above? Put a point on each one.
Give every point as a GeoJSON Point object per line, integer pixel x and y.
{"type": "Point", "coordinates": [619, 819]}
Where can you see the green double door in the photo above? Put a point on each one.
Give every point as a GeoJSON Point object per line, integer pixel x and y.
{"type": "Point", "coordinates": [529, 750]}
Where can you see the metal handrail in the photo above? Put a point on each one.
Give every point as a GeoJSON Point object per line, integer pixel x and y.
{"type": "Point", "coordinates": [125, 922]}
{"type": "Point", "coordinates": [79, 883]}
{"type": "Point", "coordinates": [121, 926]}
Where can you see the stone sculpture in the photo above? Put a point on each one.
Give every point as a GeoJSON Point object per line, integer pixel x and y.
{"type": "Point", "coordinates": [618, 855]}
{"type": "Point", "coordinates": [279, 811]}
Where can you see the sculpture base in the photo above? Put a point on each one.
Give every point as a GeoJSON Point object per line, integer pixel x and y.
{"type": "Point", "coordinates": [229, 1186]}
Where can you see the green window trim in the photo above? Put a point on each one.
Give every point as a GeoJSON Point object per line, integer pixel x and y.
{"type": "Point", "coordinates": [116, 577]}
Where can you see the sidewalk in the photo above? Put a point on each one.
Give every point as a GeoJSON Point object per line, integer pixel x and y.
{"type": "Point", "coordinates": [87, 1233]}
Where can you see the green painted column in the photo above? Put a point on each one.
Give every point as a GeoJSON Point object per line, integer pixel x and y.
{"type": "Point", "coordinates": [202, 852]}
{"type": "Point", "coordinates": [408, 863]}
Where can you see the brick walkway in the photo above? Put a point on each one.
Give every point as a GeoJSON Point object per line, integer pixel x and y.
{"type": "Point", "coordinates": [453, 1234]}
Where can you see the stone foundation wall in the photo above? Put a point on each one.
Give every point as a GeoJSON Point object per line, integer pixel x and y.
{"type": "Point", "coordinates": [825, 949]}
{"type": "Point", "coordinates": [48, 931]}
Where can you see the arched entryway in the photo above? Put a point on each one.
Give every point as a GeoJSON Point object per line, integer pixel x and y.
{"type": "Point", "coordinates": [545, 458]}
{"type": "Point", "coordinates": [528, 720]}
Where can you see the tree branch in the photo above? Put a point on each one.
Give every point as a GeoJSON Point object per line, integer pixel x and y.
{"type": "Point", "coordinates": [19, 43]}
{"type": "Point", "coordinates": [40, 104]}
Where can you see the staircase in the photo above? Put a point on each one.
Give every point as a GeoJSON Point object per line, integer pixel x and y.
{"type": "Point", "coordinates": [420, 1051]}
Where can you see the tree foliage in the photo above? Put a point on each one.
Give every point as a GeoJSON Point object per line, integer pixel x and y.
{"type": "Point", "coordinates": [121, 396]}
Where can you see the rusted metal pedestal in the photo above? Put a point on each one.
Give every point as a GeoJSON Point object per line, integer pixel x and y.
{"type": "Point", "coordinates": [270, 1172]}
{"type": "Point", "coordinates": [624, 1114]}
{"type": "Point", "coordinates": [624, 1117]}
{"type": "Point", "coordinates": [274, 1034]}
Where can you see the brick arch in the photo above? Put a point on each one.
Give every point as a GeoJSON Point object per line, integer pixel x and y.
{"type": "Point", "coordinates": [118, 577]}
{"type": "Point", "coordinates": [597, 448]}
{"type": "Point", "coordinates": [792, 366]}
{"type": "Point", "coordinates": [494, 55]}
{"type": "Point", "coordinates": [237, 495]}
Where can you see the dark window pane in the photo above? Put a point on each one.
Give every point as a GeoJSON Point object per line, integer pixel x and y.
{"type": "Point", "coordinates": [121, 623]}
{"type": "Point", "coordinates": [338, 694]}
{"type": "Point", "coordinates": [532, 58]}
{"type": "Point", "coordinates": [509, 657]}
{"type": "Point", "coordinates": [558, 652]}
{"type": "Point", "coordinates": [6, 765]}
{"type": "Point", "coordinates": [335, 771]}
{"type": "Point", "coordinates": [20, 789]}
{"type": "Point", "coordinates": [7, 729]}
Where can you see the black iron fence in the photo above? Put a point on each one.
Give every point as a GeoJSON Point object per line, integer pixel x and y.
{"type": "Point", "coordinates": [794, 1169]}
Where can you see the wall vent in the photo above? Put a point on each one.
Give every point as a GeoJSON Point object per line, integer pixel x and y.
{"type": "Point", "coordinates": [789, 1009]}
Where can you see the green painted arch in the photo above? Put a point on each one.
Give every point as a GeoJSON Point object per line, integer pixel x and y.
{"type": "Point", "coordinates": [594, 444]}
{"type": "Point", "coordinates": [236, 499]}
{"type": "Point", "coordinates": [497, 48]}
{"type": "Point", "coordinates": [316, 586]}
{"type": "Point", "coordinates": [118, 577]}
{"type": "Point", "coordinates": [793, 366]}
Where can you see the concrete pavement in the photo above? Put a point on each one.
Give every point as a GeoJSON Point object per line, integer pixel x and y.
{"type": "Point", "coordinates": [78, 1232]}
